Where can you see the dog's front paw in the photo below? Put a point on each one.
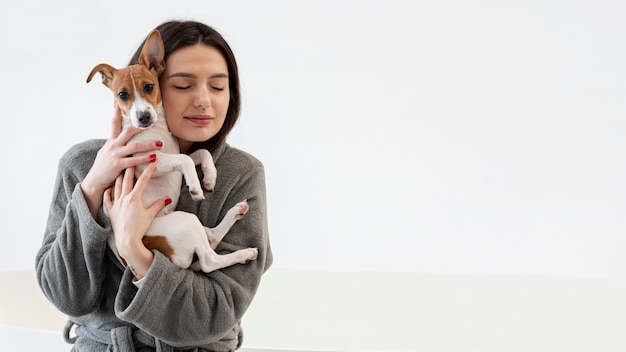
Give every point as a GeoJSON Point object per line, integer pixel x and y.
{"type": "Point", "coordinates": [210, 176]}
{"type": "Point", "coordinates": [196, 193]}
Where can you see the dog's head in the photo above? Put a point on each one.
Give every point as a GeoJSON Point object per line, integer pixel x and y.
{"type": "Point", "coordinates": [136, 87]}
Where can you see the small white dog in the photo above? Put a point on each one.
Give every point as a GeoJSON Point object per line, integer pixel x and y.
{"type": "Point", "coordinates": [177, 234]}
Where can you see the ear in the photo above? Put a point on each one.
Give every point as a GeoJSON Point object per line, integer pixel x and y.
{"type": "Point", "coordinates": [153, 52]}
{"type": "Point", "coordinates": [106, 71]}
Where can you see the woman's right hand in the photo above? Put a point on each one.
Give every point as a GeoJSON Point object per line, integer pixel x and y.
{"type": "Point", "coordinates": [112, 159]}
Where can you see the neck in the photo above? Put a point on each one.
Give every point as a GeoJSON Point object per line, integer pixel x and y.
{"type": "Point", "coordinates": [184, 145]}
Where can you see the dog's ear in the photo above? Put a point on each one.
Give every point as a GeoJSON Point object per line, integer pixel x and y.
{"type": "Point", "coordinates": [106, 71]}
{"type": "Point", "coordinates": [153, 53]}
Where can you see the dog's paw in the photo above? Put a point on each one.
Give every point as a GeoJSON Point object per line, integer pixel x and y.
{"type": "Point", "coordinates": [239, 210]}
{"type": "Point", "coordinates": [196, 193]}
{"type": "Point", "coordinates": [250, 254]}
{"type": "Point", "coordinates": [243, 208]}
{"type": "Point", "coordinates": [210, 177]}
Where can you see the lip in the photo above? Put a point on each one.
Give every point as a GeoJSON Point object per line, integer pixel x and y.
{"type": "Point", "coordinates": [200, 120]}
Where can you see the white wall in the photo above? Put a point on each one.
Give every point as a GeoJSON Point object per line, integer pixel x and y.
{"type": "Point", "coordinates": [445, 136]}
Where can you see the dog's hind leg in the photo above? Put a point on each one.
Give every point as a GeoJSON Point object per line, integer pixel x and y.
{"type": "Point", "coordinates": [205, 159]}
{"type": "Point", "coordinates": [210, 261]}
{"type": "Point", "coordinates": [217, 233]}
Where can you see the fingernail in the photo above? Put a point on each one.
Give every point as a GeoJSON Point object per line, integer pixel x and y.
{"type": "Point", "coordinates": [152, 158]}
{"type": "Point", "coordinates": [159, 144]}
{"type": "Point", "coordinates": [168, 201]}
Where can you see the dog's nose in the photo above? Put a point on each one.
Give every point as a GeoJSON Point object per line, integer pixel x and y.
{"type": "Point", "coordinates": [144, 117]}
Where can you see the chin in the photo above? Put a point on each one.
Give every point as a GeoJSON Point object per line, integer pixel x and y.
{"type": "Point", "coordinates": [200, 137]}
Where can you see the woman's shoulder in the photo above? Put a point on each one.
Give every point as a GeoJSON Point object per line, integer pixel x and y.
{"type": "Point", "coordinates": [82, 153]}
{"type": "Point", "coordinates": [237, 158]}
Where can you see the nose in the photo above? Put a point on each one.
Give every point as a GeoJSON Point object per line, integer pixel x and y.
{"type": "Point", "coordinates": [203, 99]}
{"type": "Point", "coordinates": [144, 117]}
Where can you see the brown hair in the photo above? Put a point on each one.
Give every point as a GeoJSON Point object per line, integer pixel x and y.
{"type": "Point", "coordinates": [178, 34]}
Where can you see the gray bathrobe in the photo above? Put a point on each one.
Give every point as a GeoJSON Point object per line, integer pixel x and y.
{"type": "Point", "coordinates": [174, 309]}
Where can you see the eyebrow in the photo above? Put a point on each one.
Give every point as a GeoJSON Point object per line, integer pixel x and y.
{"type": "Point", "coordinates": [191, 75]}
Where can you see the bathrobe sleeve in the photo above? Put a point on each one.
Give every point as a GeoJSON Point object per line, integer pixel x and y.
{"type": "Point", "coordinates": [69, 264]}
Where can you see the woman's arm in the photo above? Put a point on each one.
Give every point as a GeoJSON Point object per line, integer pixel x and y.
{"type": "Point", "coordinates": [69, 262]}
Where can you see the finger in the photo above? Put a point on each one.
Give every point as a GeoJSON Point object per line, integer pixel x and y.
{"type": "Point", "coordinates": [142, 181]}
{"type": "Point", "coordinates": [158, 205]}
{"type": "Point", "coordinates": [118, 185]}
{"type": "Point", "coordinates": [127, 133]}
{"type": "Point", "coordinates": [106, 200]}
{"type": "Point", "coordinates": [141, 147]}
{"type": "Point", "coordinates": [133, 161]}
{"type": "Point", "coordinates": [129, 178]}
{"type": "Point", "coordinates": [116, 123]}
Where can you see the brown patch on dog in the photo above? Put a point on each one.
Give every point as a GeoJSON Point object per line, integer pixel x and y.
{"type": "Point", "coordinates": [159, 243]}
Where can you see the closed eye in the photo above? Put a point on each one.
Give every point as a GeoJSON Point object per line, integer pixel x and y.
{"type": "Point", "coordinates": [182, 87]}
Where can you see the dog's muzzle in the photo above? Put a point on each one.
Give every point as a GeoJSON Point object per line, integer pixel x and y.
{"type": "Point", "coordinates": [145, 119]}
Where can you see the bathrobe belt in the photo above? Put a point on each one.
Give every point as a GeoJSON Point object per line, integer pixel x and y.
{"type": "Point", "coordinates": [120, 339]}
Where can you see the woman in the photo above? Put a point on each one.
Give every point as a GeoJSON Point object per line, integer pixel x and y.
{"type": "Point", "coordinates": [157, 306]}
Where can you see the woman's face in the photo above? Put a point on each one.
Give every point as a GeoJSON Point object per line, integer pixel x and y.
{"type": "Point", "coordinates": [195, 93]}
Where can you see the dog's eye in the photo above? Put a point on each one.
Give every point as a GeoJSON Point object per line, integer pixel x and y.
{"type": "Point", "coordinates": [148, 88]}
{"type": "Point", "coordinates": [123, 96]}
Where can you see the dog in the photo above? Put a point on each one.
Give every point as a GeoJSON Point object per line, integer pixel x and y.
{"type": "Point", "coordinates": [178, 235]}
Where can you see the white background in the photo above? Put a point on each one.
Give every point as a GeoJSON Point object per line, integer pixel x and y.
{"type": "Point", "coordinates": [429, 136]}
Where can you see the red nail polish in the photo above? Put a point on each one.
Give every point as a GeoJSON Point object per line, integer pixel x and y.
{"type": "Point", "coordinates": [159, 144]}
{"type": "Point", "coordinates": [168, 201]}
{"type": "Point", "coordinates": [152, 158]}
